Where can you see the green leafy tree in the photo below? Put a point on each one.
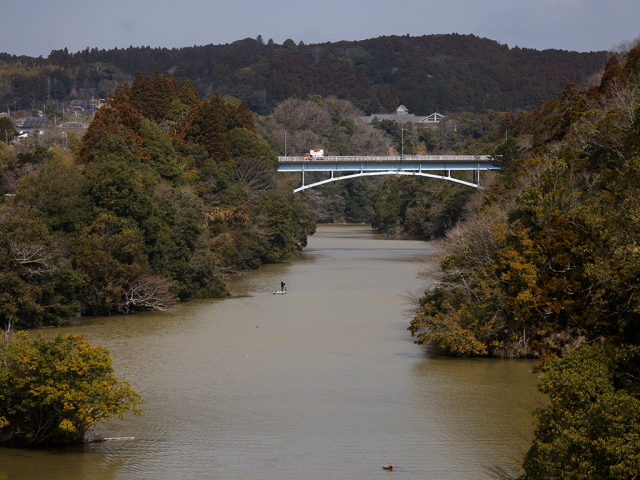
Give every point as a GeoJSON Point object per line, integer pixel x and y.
{"type": "Point", "coordinates": [161, 152]}
{"type": "Point", "coordinates": [288, 48]}
{"type": "Point", "coordinates": [246, 144]}
{"type": "Point", "coordinates": [110, 254]}
{"type": "Point", "coordinates": [277, 227]}
{"type": "Point", "coordinates": [117, 184]}
{"type": "Point", "coordinates": [506, 153]}
{"type": "Point", "coordinates": [388, 204]}
{"type": "Point", "coordinates": [19, 301]}
{"type": "Point", "coordinates": [56, 192]}
{"type": "Point", "coordinates": [7, 130]}
{"type": "Point", "coordinates": [53, 392]}
{"type": "Point", "coordinates": [37, 285]}
{"type": "Point", "coordinates": [591, 427]}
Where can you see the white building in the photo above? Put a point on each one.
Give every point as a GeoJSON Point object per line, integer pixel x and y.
{"type": "Point", "coordinates": [402, 115]}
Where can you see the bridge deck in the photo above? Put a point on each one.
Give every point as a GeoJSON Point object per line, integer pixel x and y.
{"type": "Point", "coordinates": [389, 165]}
{"type": "Point", "coordinates": [391, 158]}
{"type": "Point", "coordinates": [417, 163]}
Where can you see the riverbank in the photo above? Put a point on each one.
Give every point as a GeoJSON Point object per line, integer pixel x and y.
{"type": "Point", "coordinates": [324, 382]}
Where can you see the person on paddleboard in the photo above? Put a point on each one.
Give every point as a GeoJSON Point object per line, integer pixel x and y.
{"type": "Point", "coordinates": [283, 287]}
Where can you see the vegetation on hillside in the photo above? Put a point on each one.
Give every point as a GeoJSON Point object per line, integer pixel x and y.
{"type": "Point", "coordinates": [333, 125]}
{"type": "Point", "coordinates": [445, 73]}
{"type": "Point", "coordinates": [336, 126]}
{"type": "Point", "coordinates": [547, 266]}
{"type": "Point", "coordinates": [590, 429]}
{"type": "Point", "coordinates": [548, 261]}
{"type": "Point", "coordinates": [144, 211]}
{"type": "Point", "coordinates": [425, 207]}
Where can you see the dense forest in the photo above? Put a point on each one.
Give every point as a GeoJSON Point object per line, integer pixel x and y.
{"type": "Point", "coordinates": [166, 192]}
{"type": "Point", "coordinates": [132, 217]}
{"type": "Point", "coordinates": [548, 260]}
{"type": "Point", "coordinates": [445, 73]}
{"type": "Point", "coordinates": [547, 266]}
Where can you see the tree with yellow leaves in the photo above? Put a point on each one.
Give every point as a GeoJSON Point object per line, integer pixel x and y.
{"type": "Point", "coordinates": [53, 391]}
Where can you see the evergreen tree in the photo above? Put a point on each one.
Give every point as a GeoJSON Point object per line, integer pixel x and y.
{"type": "Point", "coordinates": [119, 118]}
{"type": "Point", "coordinates": [7, 130]}
{"type": "Point", "coordinates": [187, 94]}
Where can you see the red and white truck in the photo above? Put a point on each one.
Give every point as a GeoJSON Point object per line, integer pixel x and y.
{"type": "Point", "coordinates": [314, 154]}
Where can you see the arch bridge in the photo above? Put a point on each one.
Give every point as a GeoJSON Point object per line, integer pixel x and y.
{"type": "Point", "coordinates": [432, 166]}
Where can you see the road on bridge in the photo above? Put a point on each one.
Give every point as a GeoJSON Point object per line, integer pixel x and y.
{"type": "Point", "coordinates": [389, 165]}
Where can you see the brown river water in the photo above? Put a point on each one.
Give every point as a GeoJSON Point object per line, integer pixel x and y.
{"type": "Point", "coordinates": [324, 382]}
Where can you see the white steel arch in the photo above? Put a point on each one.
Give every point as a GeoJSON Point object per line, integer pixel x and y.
{"type": "Point", "coordinates": [440, 165]}
{"type": "Point", "coordinates": [392, 172]}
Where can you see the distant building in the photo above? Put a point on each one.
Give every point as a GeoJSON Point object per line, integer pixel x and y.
{"type": "Point", "coordinates": [402, 115]}
{"type": "Point", "coordinates": [433, 118]}
{"type": "Point", "coordinates": [83, 105]}
{"type": "Point", "coordinates": [30, 125]}
{"type": "Point", "coordinates": [72, 126]}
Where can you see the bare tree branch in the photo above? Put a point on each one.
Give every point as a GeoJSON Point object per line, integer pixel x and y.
{"type": "Point", "coordinates": [148, 292]}
{"type": "Point", "coordinates": [257, 175]}
{"type": "Point", "coordinates": [35, 258]}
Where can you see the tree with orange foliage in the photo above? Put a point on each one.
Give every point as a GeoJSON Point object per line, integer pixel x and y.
{"type": "Point", "coordinates": [205, 125]}
{"type": "Point", "coordinates": [244, 118]}
{"type": "Point", "coordinates": [187, 93]}
{"type": "Point", "coordinates": [119, 118]}
{"type": "Point", "coordinates": [152, 96]}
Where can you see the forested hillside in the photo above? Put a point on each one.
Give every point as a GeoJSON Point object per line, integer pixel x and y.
{"type": "Point", "coordinates": [135, 216]}
{"type": "Point", "coordinates": [413, 205]}
{"type": "Point", "coordinates": [547, 266]}
{"type": "Point", "coordinates": [445, 73]}
{"type": "Point", "coordinates": [549, 260]}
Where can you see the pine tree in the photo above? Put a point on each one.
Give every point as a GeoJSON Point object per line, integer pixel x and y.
{"type": "Point", "coordinates": [244, 118]}
{"type": "Point", "coordinates": [187, 94]}
{"type": "Point", "coordinates": [205, 125]}
{"type": "Point", "coordinates": [118, 117]}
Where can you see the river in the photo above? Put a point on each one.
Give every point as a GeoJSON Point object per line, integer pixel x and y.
{"type": "Point", "coordinates": [324, 382]}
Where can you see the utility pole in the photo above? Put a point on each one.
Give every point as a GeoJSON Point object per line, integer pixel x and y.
{"type": "Point", "coordinates": [402, 154]}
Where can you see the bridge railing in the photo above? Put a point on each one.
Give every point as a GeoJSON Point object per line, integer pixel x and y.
{"type": "Point", "coordinates": [391, 158]}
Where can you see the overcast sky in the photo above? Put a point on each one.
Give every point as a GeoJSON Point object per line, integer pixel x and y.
{"type": "Point", "coordinates": [38, 26]}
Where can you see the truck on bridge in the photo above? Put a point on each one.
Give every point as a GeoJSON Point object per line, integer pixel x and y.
{"type": "Point", "coordinates": [314, 154]}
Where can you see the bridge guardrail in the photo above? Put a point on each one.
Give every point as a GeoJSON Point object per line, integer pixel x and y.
{"type": "Point", "coordinates": [392, 158]}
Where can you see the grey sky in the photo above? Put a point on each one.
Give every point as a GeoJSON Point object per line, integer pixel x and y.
{"type": "Point", "coordinates": [37, 27]}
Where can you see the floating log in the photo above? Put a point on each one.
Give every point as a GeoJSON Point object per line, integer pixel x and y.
{"type": "Point", "coordinates": [100, 439]}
